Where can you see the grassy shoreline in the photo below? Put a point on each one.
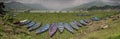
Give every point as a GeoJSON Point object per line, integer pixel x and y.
{"type": "Point", "coordinates": [55, 17]}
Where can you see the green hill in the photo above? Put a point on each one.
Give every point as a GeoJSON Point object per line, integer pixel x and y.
{"type": "Point", "coordinates": [16, 5]}
{"type": "Point", "coordinates": [23, 6]}
{"type": "Point", "coordinates": [97, 3]}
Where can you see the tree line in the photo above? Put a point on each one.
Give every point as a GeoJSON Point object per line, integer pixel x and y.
{"type": "Point", "coordinates": [104, 7]}
{"type": "Point", "coordinates": [5, 15]}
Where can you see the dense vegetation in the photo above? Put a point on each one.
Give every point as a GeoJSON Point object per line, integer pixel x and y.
{"type": "Point", "coordinates": [2, 12]}
{"type": "Point", "coordinates": [104, 7]}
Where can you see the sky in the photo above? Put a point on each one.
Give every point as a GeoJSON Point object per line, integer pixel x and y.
{"type": "Point", "coordinates": [60, 4]}
{"type": "Point", "coordinates": [57, 4]}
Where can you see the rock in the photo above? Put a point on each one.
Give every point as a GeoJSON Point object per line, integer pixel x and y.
{"type": "Point", "coordinates": [111, 16]}
{"type": "Point", "coordinates": [114, 19]}
{"type": "Point", "coordinates": [104, 26]}
{"type": "Point", "coordinates": [118, 17]}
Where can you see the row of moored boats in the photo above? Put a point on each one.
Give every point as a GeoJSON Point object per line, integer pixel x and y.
{"type": "Point", "coordinates": [31, 25]}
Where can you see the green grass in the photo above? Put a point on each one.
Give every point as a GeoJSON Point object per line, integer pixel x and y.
{"type": "Point", "coordinates": [113, 32]}
{"type": "Point", "coordinates": [55, 17]}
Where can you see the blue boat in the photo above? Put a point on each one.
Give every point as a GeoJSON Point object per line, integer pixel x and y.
{"type": "Point", "coordinates": [95, 19]}
{"type": "Point", "coordinates": [74, 25]}
{"type": "Point", "coordinates": [83, 14]}
{"type": "Point", "coordinates": [35, 26]}
{"type": "Point", "coordinates": [30, 24]}
{"type": "Point", "coordinates": [77, 23]}
{"type": "Point", "coordinates": [60, 26]}
{"type": "Point", "coordinates": [83, 22]}
{"type": "Point", "coordinates": [52, 29]}
{"type": "Point", "coordinates": [68, 27]}
{"type": "Point", "coordinates": [42, 29]}
{"type": "Point", "coordinates": [86, 20]}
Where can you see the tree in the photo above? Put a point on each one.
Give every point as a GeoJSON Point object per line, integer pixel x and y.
{"type": "Point", "coordinates": [2, 12]}
{"type": "Point", "coordinates": [6, 17]}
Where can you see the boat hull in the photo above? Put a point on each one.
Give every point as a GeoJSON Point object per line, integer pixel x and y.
{"type": "Point", "coordinates": [68, 27]}
{"type": "Point", "coordinates": [44, 28]}
{"type": "Point", "coordinates": [52, 29]}
{"type": "Point", "coordinates": [34, 27]}
{"type": "Point", "coordinates": [30, 24]}
{"type": "Point", "coordinates": [74, 25]}
{"type": "Point", "coordinates": [78, 24]}
{"type": "Point", "coordinates": [60, 26]}
{"type": "Point", "coordinates": [83, 22]}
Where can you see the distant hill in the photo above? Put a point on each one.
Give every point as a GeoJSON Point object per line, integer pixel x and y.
{"type": "Point", "coordinates": [22, 6]}
{"type": "Point", "coordinates": [36, 6]}
{"type": "Point", "coordinates": [16, 5]}
{"type": "Point", "coordinates": [104, 7]}
{"type": "Point", "coordinates": [97, 3]}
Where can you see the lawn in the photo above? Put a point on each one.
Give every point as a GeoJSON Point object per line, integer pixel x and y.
{"type": "Point", "coordinates": [56, 17]}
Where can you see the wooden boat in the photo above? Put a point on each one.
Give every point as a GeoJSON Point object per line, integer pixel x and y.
{"type": "Point", "coordinates": [35, 26]}
{"type": "Point", "coordinates": [52, 29]}
{"type": "Point", "coordinates": [30, 24]}
{"type": "Point", "coordinates": [42, 29]}
{"type": "Point", "coordinates": [77, 23]}
{"type": "Point", "coordinates": [68, 27]}
{"type": "Point", "coordinates": [74, 25]}
{"type": "Point", "coordinates": [95, 19]}
{"type": "Point", "coordinates": [88, 21]}
{"type": "Point", "coordinates": [60, 26]}
{"type": "Point", "coordinates": [24, 22]}
{"type": "Point", "coordinates": [83, 22]}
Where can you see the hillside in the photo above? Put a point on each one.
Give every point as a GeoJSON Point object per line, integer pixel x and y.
{"type": "Point", "coordinates": [16, 5]}
{"type": "Point", "coordinates": [36, 6]}
{"type": "Point", "coordinates": [104, 7]}
{"type": "Point", "coordinates": [23, 6]}
{"type": "Point", "coordinates": [97, 3]}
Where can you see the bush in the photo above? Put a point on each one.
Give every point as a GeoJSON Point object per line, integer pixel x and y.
{"type": "Point", "coordinates": [8, 18]}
